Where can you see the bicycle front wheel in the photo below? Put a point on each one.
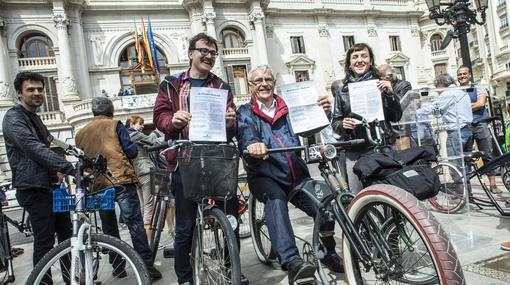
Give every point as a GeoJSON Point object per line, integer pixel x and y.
{"type": "Point", "coordinates": [452, 193]}
{"type": "Point", "coordinates": [215, 254]}
{"type": "Point", "coordinates": [157, 225]}
{"type": "Point", "coordinates": [109, 261]}
{"type": "Point", "coordinates": [410, 248]}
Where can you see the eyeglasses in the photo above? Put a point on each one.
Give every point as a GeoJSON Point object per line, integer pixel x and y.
{"type": "Point", "coordinates": [259, 80]}
{"type": "Point", "coordinates": [206, 51]}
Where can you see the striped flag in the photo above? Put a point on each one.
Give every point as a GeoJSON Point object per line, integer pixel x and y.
{"type": "Point", "coordinates": [152, 44]}
{"type": "Point", "coordinates": [139, 50]}
{"type": "Point", "coordinates": [147, 47]}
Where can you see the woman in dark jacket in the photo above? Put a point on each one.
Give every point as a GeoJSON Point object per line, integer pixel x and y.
{"type": "Point", "coordinates": [359, 66]}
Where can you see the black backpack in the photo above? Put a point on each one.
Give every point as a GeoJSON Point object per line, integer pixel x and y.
{"type": "Point", "coordinates": [409, 169]}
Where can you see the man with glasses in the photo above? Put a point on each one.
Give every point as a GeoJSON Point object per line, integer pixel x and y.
{"type": "Point", "coordinates": [172, 117]}
{"type": "Point", "coordinates": [264, 123]}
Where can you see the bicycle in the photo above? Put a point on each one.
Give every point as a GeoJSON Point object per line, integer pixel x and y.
{"type": "Point", "coordinates": [81, 257]}
{"type": "Point", "coordinates": [243, 197]}
{"type": "Point", "coordinates": [208, 172]}
{"type": "Point", "coordinates": [388, 235]}
{"type": "Point", "coordinates": [160, 188]}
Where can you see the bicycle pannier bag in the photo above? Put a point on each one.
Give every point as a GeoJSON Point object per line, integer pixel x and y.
{"type": "Point", "coordinates": [208, 170]}
{"type": "Point", "coordinates": [408, 169]}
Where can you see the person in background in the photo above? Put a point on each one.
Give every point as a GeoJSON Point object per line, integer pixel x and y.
{"type": "Point", "coordinates": [120, 93]}
{"type": "Point", "coordinates": [359, 66]}
{"type": "Point", "coordinates": [143, 166]}
{"type": "Point", "coordinates": [108, 137]}
{"type": "Point", "coordinates": [481, 134]}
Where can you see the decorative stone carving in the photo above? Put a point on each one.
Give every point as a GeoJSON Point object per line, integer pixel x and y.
{"type": "Point", "coordinates": [415, 31]}
{"type": "Point", "coordinates": [372, 31]}
{"type": "Point", "coordinates": [256, 17]}
{"type": "Point", "coordinates": [97, 48]}
{"type": "Point", "coordinates": [269, 30]}
{"type": "Point", "coordinates": [323, 31]}
{"type": "Point", "coordinates": [70, 85]}
{"type": "Point", "coordinates": [5, 90]}
{"type": "Point", "coordinates": [181, 42]}
{"type": "Point", "coordinates": [61, 21]}
{"type": "Point", "coordinates": [208, 17]}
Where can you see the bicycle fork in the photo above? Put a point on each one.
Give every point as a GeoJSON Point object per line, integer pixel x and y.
{"type": "Point", "coordinates": [81, 256]}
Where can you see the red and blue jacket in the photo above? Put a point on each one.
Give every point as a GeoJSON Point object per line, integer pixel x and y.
{"type": "Point", "coordinates": [253, 126]}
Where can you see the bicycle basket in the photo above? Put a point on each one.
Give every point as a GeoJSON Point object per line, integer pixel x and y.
{"type": "Point", "coordinates": [160, 182]}
{"type": "Point", "coordinates": [208, 170]}
{"type": "Point", "coordinates": [65, 202]}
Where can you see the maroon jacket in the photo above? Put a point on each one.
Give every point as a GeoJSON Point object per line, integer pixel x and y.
{"type": "Point", "coordinates": [167, 103]}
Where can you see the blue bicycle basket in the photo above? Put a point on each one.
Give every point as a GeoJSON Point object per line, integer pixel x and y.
{"type": "Point", "coordinates": [65, 202]}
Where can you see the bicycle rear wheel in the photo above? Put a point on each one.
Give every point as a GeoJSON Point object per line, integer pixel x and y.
{"type": "Point", "coordinates": [417, 248]}
{"type": "Point", "coordinates": [505, 175]}
{"type": "Point", "coordinates": [259, 231]}
{"type": "Point", "coordinates": [157, 225]}
{"type": "Point", "coordinates": [244, 224]}
{"type": "Point", "coordinates": [111, 261]}
{"type": "Point", "coordinates": [215, 254]}
{"type": "Point", "coordinates": [452, 194]}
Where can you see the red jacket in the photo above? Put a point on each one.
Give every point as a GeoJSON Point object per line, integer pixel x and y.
{"type": "Point", "coordinates": [167, 103]}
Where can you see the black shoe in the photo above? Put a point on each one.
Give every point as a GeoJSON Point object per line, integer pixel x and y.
{"type": "Point", "coordinates": [244, 280]}
{"type": "Point", "coordinates": [154, 273]}
{"type": "Point", "coordinates": [16, 251]}
{"type": "Point", "coordinates": [168, 252]}
{"type": "Point", "coordinates": [119, 273]}
{"type": "Point", "coordinates": [333, 262]}
{"type": "Point", "coordinates": [300, 269]}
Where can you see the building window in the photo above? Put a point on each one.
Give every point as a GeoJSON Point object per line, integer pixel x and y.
{"type": "Point", "coordinates": [131, 74]}
{"type": "Point", "coordinates": [435, 42]}
{"type": "Point", "coordinates": [237, 77]}
{"type": "Point", "coordinates": [503, 21]}
{"type": "Point", "coordinates": [507, 66]}
{"type": "Point", "coordinates": [440, 69]}
{"type": "Point", "coordinates": [50, 96]}
{"type": "Point", "coordinates": [35, 45]}
{"type": "Point", "coordinates": [348, 42]}
{"type": "Point", "coordinates": [298, 44]}
{"type": "Point", "coordinates": [232, 38]}
{"type": "Point", "coordinates": [395, 43]}
{"type": "Point", "coordinates": [400, 72]}
{"type": "Point", "coordinates": [301, 75]}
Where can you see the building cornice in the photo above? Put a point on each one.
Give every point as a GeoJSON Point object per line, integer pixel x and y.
{"type": "Point", "coordinates": [331, 12]}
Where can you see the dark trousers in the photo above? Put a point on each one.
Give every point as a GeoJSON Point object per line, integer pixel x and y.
{"type": "Point", "coordinates": [277, 217]}
{"type": "Point", "coordinates": [185, 219]}
{"type": "Point", "coordinates": [129, 205]}
{"type": "Point", "coordinates": [45, 224]}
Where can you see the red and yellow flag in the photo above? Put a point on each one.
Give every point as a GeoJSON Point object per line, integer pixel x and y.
{"type": "Point", "coordinates": [147, 46]}
{"type": "Point", "coordinates": [139, 50]}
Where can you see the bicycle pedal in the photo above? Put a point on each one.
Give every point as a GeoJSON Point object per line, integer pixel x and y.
{"type": "Point", "coordinates": [305, 281]}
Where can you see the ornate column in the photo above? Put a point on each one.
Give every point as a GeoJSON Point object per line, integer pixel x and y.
{"type": "Point", "coordinates": [326, 64]}
{"type": "Point", "coordinates": [66, 77]}
{"type": "Point", "coordinates": [6, 99]}
{"type": "Point", "coordinates": [81, 69]}
{"type": "Point", "coordinates": [194, 8]}
{"type": "Point", "coordinates": [257, 20]}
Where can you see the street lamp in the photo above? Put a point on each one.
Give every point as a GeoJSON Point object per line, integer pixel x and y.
{"type": "Point", "coordinates": [458, 14]}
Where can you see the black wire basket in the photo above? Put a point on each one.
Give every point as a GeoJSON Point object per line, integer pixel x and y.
{"type": "Point", "coordinates": [208, 170]}
{"type": "Point", "coordinates": [160, 182]}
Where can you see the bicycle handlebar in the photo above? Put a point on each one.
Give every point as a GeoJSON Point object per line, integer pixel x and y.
{"type": "Point", "coordinates": [490, 119]}
{"type": "Point", "coordinates": [166, 144]}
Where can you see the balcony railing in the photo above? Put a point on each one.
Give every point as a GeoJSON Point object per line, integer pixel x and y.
{"type": "Point", "coordinates": [37, 63]}
{"type": "Point", "coordinates": [501, 4]}
{"type": "Point", "coordinates": [234, 51]}
{"type": "Point", "coordinates": [438, 53]}
{"type": "Point", "coordinates": [50, 118]}
{"type": "Point", "coordinates": [503, 26]}
{"type": "Point", "coordinates": [138, 101]}
{"type": "Point", "coordinates": [389, 2]}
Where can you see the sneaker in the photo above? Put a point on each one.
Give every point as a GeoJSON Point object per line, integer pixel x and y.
{"type": "Point", "coordinates": [495, 190]}
{"type": "Point", "coordinates": [333, 262]}
{"type": "Point", "coordinates": [244, 280]}
{"type": "Point", "coordinates": [154, 273]}
{"type": "Point", "coordinates": [505, 245]}
{"type": "Point", "coordinates": [299, 269]}
{"type": "Point", "coordinates": [119, 273]}
{"type": "Point", "coordinates": [16, 251]}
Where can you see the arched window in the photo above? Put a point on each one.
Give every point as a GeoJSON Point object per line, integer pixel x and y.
{"type": "Point", "coordinates": [232, 38]}
{"type": "Point", "coordinates": [435, 42]}
{"type": "Point", "coordinates": [35, 45]}
{"type": "Point", "coordinates": [136, 81]}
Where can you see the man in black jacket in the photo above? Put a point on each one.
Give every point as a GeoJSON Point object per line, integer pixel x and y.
{"type": "Point", "coordinates": [34, 165]}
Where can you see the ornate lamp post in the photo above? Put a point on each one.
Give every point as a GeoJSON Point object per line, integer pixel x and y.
{"type": "Point", "coordinates": [458, 14]}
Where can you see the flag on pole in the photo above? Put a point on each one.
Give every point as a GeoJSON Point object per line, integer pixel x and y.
{"type": "Point", "coordinates": [147, 47]}
{"type": "Point", "coordinates": [139, 50]}
{"type": "Point", "coordinates": [152, 45]}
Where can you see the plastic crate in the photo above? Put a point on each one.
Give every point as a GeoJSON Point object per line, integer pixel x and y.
{"type": "Point", "coordinates": [65, 202]}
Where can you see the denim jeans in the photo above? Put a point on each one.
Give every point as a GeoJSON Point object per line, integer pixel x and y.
{"type": "Point", "coordinates": [277, 217]}
{"type": "Point", "coordinates": [185, 220]}
{"type": "Point", "coordinates": [453, 145]}
{"type": "Point", "coordinates": [129, 205]}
